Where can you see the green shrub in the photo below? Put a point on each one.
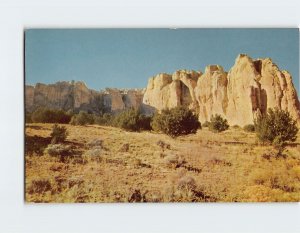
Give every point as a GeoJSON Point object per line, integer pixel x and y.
{"type": "Point", "coordinates": [249, 128]}
{"type": "Point", "coordinates": [175, 122]}
{"type": "Point", "coordinates": [82, 118]}
{"type": "Point", "coordinates": [277, 127]}
{"type": "Point", "coordinates": [45, 115]}
{"type": "Point", "coordinates": [218, 124]}
{"type": "Point", "coordinates": [104, 119]}
{"type": "Point", "coordinates": [58, 134]}
{"type": "Point", "coordinates": [144, 122]}
{"type": "Point", "coordinates": [132, 120]}
{"type": "Point", "coordinates": [58, 150]}
{"type": "Point", "coordinates": [65, 153]}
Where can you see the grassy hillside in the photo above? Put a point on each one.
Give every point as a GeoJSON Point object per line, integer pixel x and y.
{"type": "Point", "coordinates": [148, 167]}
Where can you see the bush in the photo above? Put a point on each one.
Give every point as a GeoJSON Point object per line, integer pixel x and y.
{"type": "Point", "coordinates": [249, 128]}
{"type": "Point", "coordinates": [218, 124]}
{"type": "Point", "coordinates": [173, 160]}
{"type": "Point", "coordinates": [45, 115]}
{"type": "Point", "coordinates": [132, 120]}
{"type": "Point", "coordinates": [82, 118]}
{"type": "Point", "coordinates": [58, 150]}
{"type": "Point", "coordinates": [58, 134]}
{"type": "Point", "coordinates": [104, 119]}
{"type": "Point", "coordinates": [276, 126]}
{"type": "Point", "coordinates": [187, 182]}
{"type": "Point", "coordinates": [64, 153]}
{"type": "Point", "coordinates": [93, 154]}
{"type": "Point", "coordinates": [175, 122]}
{"type": "Point", "coordinates": [95, 143]}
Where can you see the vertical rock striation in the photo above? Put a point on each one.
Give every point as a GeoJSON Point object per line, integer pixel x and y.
{"type": "Point", "coordinates": [77, 96]}
{"type": "Point", "coordinates": [246, 91]}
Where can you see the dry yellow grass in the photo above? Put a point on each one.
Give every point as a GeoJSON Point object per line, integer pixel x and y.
{"type": "Point", "coordinates": [225, 167]}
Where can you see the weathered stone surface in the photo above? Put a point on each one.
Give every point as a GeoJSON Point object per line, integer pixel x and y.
{"type": "Point", "coordinates": [77, 96]}
{"type": "Point", "coordinates": [116, 99]}
{"type": "Point", "coordinates": [243, 92]}
{"type": "Point", "coordinates": [279, 88]}
{"type": "Point", "coordinates": [211, 93]}
{"type": "Point", "coordinates": [246, 91]}
{"type": "Point", "coordinates": [168, 91]}
{"type": "Point", "coordinates": [82, 95]}
{"type": "Point", "coordinates": [289, 101]}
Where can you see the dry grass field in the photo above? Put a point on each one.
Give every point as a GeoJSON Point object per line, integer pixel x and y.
{"type": "Point", "coordinates": [108, 164]}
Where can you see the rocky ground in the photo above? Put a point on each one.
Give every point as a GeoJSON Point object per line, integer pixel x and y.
{"type": "Point", "coordinates": [108, 164]}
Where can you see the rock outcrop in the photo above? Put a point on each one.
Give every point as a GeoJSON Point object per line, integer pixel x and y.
{"type": "Point", "coordinates": [246, 91]}
{"type": "Point", "coordinates": [168, 91]}
{"type": "Point", "coordinates": [211, 93]}
{"type": "Point", "coordinates": [77, 96]}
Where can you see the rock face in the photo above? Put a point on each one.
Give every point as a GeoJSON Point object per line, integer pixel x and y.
{"type": "Point", "coordinates": [246, 91]}
{"type": "Point", "coordinates": [211, 92]}
{"type": "Point", "coordinates": [168, 91]}
{"type": "Point", "coordinates": [77, 96]}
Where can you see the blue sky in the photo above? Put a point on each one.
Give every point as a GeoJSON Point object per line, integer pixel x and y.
{"type": "Point", "coordinates": [126, 58]}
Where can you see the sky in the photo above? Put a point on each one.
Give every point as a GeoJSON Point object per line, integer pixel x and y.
{"type": "Point", "coordinates": [126, 58]}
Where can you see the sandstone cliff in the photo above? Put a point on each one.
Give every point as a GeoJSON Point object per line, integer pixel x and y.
{"type": "Point", "coordinates": [168, 91]}
{"type": "Point", "coordinates": [247, 90]}
{"type": "Point", "coordinates": [77, 96]}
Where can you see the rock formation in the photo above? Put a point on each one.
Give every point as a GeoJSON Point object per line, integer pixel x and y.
{"type": "Point", "coordinates": [247, 90]}
{"type": "Point", "coordinates": [77, 96]}
{"type": "Point", "coordinates": [211, 93]}
{"type": "Point", "coordinates": [168, 91]}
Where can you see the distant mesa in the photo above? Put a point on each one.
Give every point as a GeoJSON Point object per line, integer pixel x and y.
{"type": "Point", "coordinates": [247, 90]}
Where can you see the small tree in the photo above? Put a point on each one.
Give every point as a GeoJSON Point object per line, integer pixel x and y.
{"type": "Point", "coordinates": [82, 118]}
{"type": "Point", "coordinates": [132, 120]}
{"type": "Point", "coordinates": [175, 122]}
{"type": "Point", "coordinates": [103, 119]}
{"type": "Point", "coordinates": [218, 124]}
{"type": "Point", "coordinates": [276, 127]}
{"type": "Point", "coordinates": [58, 134]}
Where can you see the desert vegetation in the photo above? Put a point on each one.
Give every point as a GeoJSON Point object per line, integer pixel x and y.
{"type": "Point", "coordinates": [218, 123]}
{"type": "Point", "coordinates": [276, 127]}
{"type": "Point", "coordinates": [175, 122]}
{"type": "Point", "coordinates": [121, 159]}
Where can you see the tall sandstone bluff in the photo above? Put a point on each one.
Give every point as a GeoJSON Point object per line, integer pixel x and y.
{"type": "Point", "coordinates": [246, 91]}
{"type": "Point", "coordinates": [77, 96]}
{"type": "Point", "coordinates": [240, 95]}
